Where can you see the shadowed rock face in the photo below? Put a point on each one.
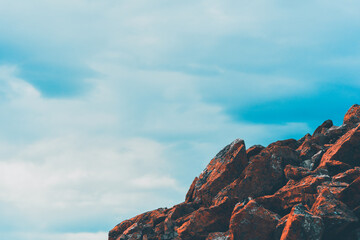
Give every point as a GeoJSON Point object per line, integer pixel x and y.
{"type": "Point", "coordinates": [252, 221]}
{"type": "Point", "coordinates": [292, 189]}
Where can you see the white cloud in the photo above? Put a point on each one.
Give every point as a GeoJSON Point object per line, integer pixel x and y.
{"type": "Point", "coordinates": [160, 32]}
{"type": "Point", "coordinates": [56, 236]}
{"type": "Point", "coordinates": [96, 157]}
{"type": "Point", "coordinates": [12, 87]}
{"type": "Point", "coordinates": [71, 174]}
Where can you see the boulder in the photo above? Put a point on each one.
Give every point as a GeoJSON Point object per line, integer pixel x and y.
{"type": "Point", "coordinates": [139, 226]}
{"type": "Point", "coordinates": [303, 191]}
{"type": "Point", "coordinates": [264, 175]}
{"type": "Point", "coordinates": [345, 150]}
{"type": "Point", "coordinates": [296, 173]}
{"type": "Point", "coordinates": [336, 216]}
{"type": "Point", "coordinates": [323, 128]}
{"type": "Point", "coordinates": [304, 138]}
{"type": "Point", "coordinates": [308, 149]}
{"type": "Point", "coordinates": [323, 138]}
{"type": "Point", "coordinates": [254, 150]}
{"type": "Point", "coordinates": [252, 222]}
{"type": "Point", "coordinates": [291, 143]}
{"type": "Point", "coordinates": [352, 117]}
{"type": "Point", "coordinates": [301, 224]}
{"type": "Point", "coordinates": [205, 220]}
{"type": "Point", "coordinates": [223, 169]}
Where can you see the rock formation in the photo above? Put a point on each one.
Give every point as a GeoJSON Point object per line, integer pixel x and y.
{"type": "Point", "coordinates": [292, 189]}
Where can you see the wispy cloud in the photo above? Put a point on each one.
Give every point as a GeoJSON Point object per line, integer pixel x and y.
{"type": "Point", "coordinates": [55, 236]}
{"type": "Point", "coordinates": [109, 149]}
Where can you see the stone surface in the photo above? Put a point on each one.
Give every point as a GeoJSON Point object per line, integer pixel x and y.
{"type": "Point", "coordinates": [345, 150]}
{"type": "Point", "coordinates": [303, 191]}
{"type": "Point", "coordinates": [263, 176]}
{"type": "Point", "coordinates": [254, 150]}
{"type": "Point", "coordinates": [336, 215]}
{"type": "Point", "coordinates": [304, 138]}
{"type": "Point", "coordinates": [323, 128]}
{"type": "Point", "coordinates": [301, 224]}
{"type": "Point", "coordinates": [296, 173]}
{"type": "Point", "coordinates": [139, 226]}
{"type": "Point", "coordinates": [291, 143]}
{"type": "Point", "coordinates": [280, 226]}
{"type": "Point", "coordinates": [205, 220]}
{"type": "Point", "coordinates": [252, 222]}
{"type": "Point", "coordinates": [352, 117]}
{"type": "Point", "coordinates": [224, 168]}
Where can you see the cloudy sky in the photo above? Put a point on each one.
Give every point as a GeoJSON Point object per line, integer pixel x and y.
{"type": "Point", "coordinates": [111, 108]}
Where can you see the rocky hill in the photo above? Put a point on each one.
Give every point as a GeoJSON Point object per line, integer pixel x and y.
{"type": "Point", "coordinates": [292, 189]}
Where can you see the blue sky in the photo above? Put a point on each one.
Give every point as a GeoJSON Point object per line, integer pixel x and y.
{"type": "Point", "coordinates": [111, 108]}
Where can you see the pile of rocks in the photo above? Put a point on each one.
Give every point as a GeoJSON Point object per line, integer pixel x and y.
{"type": "Point", "coordinates": [292, 189]}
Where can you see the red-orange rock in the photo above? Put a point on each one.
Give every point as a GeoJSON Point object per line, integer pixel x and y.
{"type": "Point", "coordinates": [120, 228]}
{"type": "Point", "coordinates": [323, 128]}
{"type": "Point", "coordinates": [280, 226]}
{"type": "Point", "coordinates": [352, 117]}
{"type": "Point", "coordinates": [291, 143]}
{"type": "Point", "coordinates": [254, 150]}
{"type": "Point", "coordinates": [313, 161]}
{"type": "Point", "coordinates": [335, 214]}
{"type": "Point", "coordinates": [263, 176]}
{"type": "Point", "coordinates": [191, 192]}
{"type": "Point", "coordinates": [351, 194]}
{"type": "Point", "coordinates": [301, 224]}
{"type": "Point", "coordinates": [304, 138]}
{"type": "Point", "coordinates": [296, 173]}
{"type": "Point", "coordinates": [252, 222]}
{"type": "Point", "coordinates": [224, 168]}
{"type": "Point", "coordinates": [272, 203]}
{"type": "Point", "coordinates": [346, 150]}
{"type": "Point", "coordinates": [323, 137]}
{"type": "Point", "coordinates": [175, 217]}
{"type": "Point", "coordinates": [308, 149]}
{"type": "Point", "coordinates": [139, 226]}
{"type": "Point", "coordinates": [205, 220]}
{"type": "Point", "coordinates": [334, 133]}
{"type": "Point", "coordinates": [303, 191]}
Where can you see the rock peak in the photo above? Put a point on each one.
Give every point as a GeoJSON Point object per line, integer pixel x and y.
{"type": "Point", "coordinates": [352, 117]}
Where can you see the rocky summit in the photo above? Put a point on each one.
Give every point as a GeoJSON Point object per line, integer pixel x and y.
{"type": "Point", "coordinates": [292, 189]}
